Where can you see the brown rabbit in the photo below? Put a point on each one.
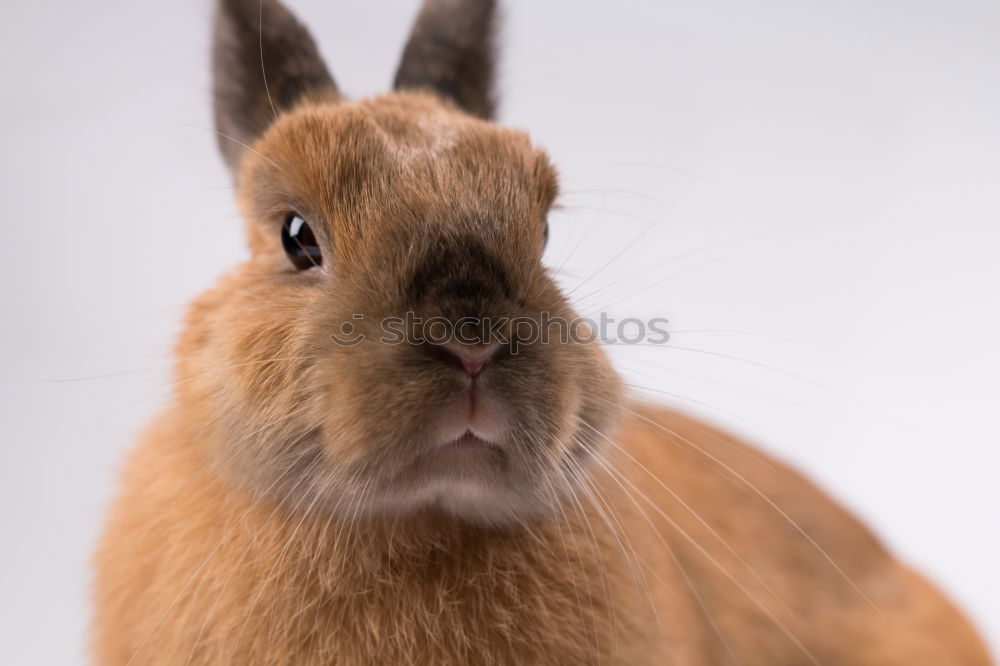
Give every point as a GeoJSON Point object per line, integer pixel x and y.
{"type": "Point", "coordinates": [331, 484]}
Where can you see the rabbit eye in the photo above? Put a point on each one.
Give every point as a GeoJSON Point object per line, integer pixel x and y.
{"type": "Point", "coordinates": [300, 243]}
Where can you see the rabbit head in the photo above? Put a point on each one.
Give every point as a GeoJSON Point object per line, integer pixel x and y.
{"type": "Point", "coordinates": [394, 345]}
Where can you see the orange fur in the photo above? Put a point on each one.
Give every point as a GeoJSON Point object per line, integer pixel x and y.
{"type": "Point", "coordinates": [192, 567]}
{"type": "Point", "coordinates": [291, 505]}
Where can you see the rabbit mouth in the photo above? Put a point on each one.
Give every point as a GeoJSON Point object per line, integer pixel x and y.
{"type": "Point", "coordinates": [470, 441]}
{"type": "Point", "coordinates": [472, 455]}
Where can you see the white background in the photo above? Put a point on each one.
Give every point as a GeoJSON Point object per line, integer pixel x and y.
{"type": "Point", "coordinates": [813, 187]}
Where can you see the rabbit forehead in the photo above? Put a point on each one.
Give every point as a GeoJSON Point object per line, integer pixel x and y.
{"type": "Point", "coordinates": [401, 154]}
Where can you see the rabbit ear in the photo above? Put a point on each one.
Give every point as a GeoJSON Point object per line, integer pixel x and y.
{"type": "Point", "coordinates": [264, 62]}
{"type": "Point", "coordinates": [451, 52]}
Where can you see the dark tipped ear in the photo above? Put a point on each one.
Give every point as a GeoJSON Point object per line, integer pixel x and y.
{"type": "Point", "coordinates": [451, 51]}
{"type": "Point", "coordinates": [264, 62]}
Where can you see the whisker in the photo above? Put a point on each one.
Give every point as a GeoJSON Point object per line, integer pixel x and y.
{"type": "Point", "coordinates": [602, 503]}
{"type": "Point", "coordinates": [174, 384]}
{"type": "Point", "coordinates": [747, 451]}
{"type": "Point", "coordinates": [680, 566]}
{"type": "Point", "coordinates": [260, 48]}
{"type": "Point", "coordinates": [635, 240]}
{"type": "Point", "coordinates": [757, 491]}
{"type": "Point", "coordinates": [586, 233]}
{"type": "Point", "coordinates": [166, 200]}
{"type": "Point", "coordinates": [708, 556]}
{"type": "Point", "coordinates": [759, 364]}
{"type": "Point", "coordinates": [704, 523]}
{"type": "Point", "coordinates": [673, 259]}
{"type": "Point", "coordinates": [236, 141]}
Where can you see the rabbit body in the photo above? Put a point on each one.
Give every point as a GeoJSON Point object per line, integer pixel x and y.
{"type": "Point", "coordinates": [195, 571]}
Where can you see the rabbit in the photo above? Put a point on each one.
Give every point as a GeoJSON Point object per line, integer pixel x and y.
{"type": "Point", "coordinates": [326, 488]}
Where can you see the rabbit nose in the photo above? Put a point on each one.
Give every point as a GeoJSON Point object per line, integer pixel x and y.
{"type": "Point", "coordinates": [470, 359]}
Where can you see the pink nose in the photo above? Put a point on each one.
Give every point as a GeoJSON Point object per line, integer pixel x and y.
{"type": "Point", "coordinates": [468, 358]}
{"type": "Point", "coordinates": [473, 366]}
